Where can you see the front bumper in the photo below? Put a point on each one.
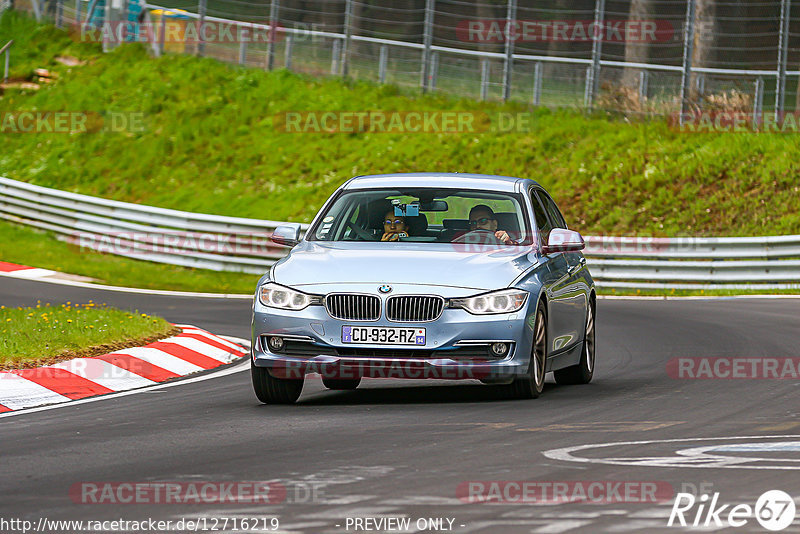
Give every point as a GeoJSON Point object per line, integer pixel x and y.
{"type": "Point", "coordinates": [456, 346]}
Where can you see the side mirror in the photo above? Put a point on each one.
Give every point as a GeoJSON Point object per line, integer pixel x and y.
{"type": "Point", "coordinates": [287, 234]}
{"type": "Point", "coordinates": [562, 240]}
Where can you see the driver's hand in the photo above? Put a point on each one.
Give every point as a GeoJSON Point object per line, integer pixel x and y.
{"type": "Point", "coordinates": [390, 236]}
{"type": "Point", "coordinates": [504, 237]}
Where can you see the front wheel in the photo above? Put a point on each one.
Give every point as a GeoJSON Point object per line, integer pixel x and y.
{"type": "Point", "coordinates": [271, 390]}
{"type": "Point", "coordinates": [531, 385]}
{"type": "Point", "coordinates": [583, 372]}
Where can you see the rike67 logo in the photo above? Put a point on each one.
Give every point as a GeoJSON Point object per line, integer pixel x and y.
{"type": "Point", "coordinates": [774, 510]}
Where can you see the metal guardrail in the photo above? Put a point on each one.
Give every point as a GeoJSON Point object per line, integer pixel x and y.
{"type": "Point", "coordinates": [143, 232]}
{"type": "Point", "coordinates": [224, 243]}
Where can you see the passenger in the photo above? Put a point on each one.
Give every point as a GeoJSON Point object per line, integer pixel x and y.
{"type": "Point", "coordinates": [481, 217]}
{"type": "Point", "coordinates": [394, 226]}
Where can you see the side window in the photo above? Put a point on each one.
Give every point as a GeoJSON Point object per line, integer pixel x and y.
{"type": "Point", "coordinates": [542, 223]}
{"type": "Point", "coordinates": [552, 210]}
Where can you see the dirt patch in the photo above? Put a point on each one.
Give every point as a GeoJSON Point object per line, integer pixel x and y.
{"type": "Point", "coordinates": [88, 352]}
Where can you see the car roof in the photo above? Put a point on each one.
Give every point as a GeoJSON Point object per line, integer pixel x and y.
{"type": "Point", "coordinates": [448, 180]}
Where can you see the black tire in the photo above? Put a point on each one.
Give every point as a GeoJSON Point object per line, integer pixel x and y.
{"type": "Point", "coordinates": [271, 390]}
{"type": "Point", "coordinates": [583, 372]}
{"type": "Point", "coordinates": [531, 385]}
{"type": "Point", "coordinates": [341, 383]}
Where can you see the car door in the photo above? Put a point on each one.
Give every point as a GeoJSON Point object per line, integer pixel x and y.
{"type": "Point", "coordinates": [568, 299]}
{"type": "Point", "coordinates": [553, 276]}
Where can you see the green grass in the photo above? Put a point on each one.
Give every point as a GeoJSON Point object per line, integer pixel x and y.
{"type": "Point", "coordinates": [30, 247]}
{"type": "Point", "coordinates": [211, 145]}
{"type": "Point", "coordinates": [44, 334]}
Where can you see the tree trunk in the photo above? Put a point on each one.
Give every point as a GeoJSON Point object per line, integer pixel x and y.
{"type": "Point", "coordinates": [636, 52]}
{"type": "Point", "coordinates": [705, 38]}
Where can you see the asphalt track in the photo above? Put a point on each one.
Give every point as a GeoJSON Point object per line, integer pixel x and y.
{"type": "Point", "coordinates": [401, 449]}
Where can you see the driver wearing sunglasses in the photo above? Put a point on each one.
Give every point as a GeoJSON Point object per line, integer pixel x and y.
{"type": "Point", "coordinates": [394, 227]}
{"type": "Point", "coordinates": [481, 217]}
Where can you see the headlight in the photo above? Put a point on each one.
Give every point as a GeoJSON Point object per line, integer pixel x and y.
{"type": "Point", "coordinates": [503, 301]}
{"type": "Point", "coordinates": [278, 296]}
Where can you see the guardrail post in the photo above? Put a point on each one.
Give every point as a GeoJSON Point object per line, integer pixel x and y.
{"type": "Point", "coordinates": [434, 74]}
{"type": "Point", "coordinates": [508, 62]}
{"type": "Point", "coordinates": [348, 33]}
{"type": "Point", "coordinates": [274, 6]}
{"type": "Point", "coordinates": [287, 52]}
{"type": "Point", "coordinates": [59, 13]}
{"type": "Point", "coordinates": [382, 60]}
{"type": "Point", "coordinates": [89, 10]}
{"type": "Point", "coordinates": [537, 83]}
{"type": "Point", "coordinates": [701, 84]}
{"type": "Point", "coordinates": [124, 17]}
{"type": "Point", "coordinates": [643, 81]}
{"type": "Point", "coordinates": [783, 46]}
{"type": "Point", "coordinates": [162, 32]}
{"type": "Point", "coordinates": [427, 40]}
{"type": "Point", "coordinates": [484, 78]}
{"type": "Point", "coordinates": [78, 7]}
{"type": "Point", "coordinates": [688, 44]}
{"type": "Point", "coordinates": [201, 42]}
{"type": "Point", "coordinates": [37, 10]}
{"type": "Point", "coordinates": [758, 104]}
{"type": "Point", "coordinates": [335, 53]}
{"type": "Point", "coordinates": [7, 62]}
{"type": "Point", "coordinates": [242, 45]}
{"type": "Point", "coordinates": [593, 79]}
{"type": "Point", "coordinates": [586, 88]}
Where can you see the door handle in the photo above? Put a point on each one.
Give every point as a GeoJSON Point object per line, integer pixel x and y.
{"type": "Point", "coordinates": [576, 268]}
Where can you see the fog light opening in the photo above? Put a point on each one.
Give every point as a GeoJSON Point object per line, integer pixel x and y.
{"type": "Point", "coordinates": [275, 343]}
{"type": "Point", "coordinates": [499, 349]}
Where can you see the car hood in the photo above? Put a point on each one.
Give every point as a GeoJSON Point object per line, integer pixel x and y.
{"type": "Point", "coordinates": [485, 267]}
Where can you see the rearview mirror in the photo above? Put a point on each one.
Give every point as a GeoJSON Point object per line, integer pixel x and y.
{"type": "Point", "coordinates": [563, 240]}
{"type": "Point", "coordinates": [434, 205]}
{"type": "Point", "coordinates": [287, 234]}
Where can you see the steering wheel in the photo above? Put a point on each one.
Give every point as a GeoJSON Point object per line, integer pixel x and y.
{"type": "Point", "coordinates": [479, 236]}
{"type": "Point", "coordinates": [360, 232]}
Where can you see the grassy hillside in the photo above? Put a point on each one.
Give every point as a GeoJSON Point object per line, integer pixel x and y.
{"type": "Point", "coordinates": [210, 145]}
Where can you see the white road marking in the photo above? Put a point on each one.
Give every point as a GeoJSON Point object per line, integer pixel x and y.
{"type": "Point", "coordinates": [29, 273]}
{"type": "Point", "coordinates": [557, 527]}
{"type": "Point", "coordinates": [121, 289]}
{"type": "Point", "coordinates": [249, 296]}
{"type": "Point", "coordinates": [721, 462]}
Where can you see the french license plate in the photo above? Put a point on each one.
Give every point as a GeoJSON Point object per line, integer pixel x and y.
{"type": "Point", "coordinates": [383, 335]}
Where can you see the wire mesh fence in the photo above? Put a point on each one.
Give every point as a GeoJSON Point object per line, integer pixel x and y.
{"type": "Point", "coordinates": [637, 56]}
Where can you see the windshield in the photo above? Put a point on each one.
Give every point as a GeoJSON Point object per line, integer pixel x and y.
{"type": "Point", "coordinates": [424, 215]}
